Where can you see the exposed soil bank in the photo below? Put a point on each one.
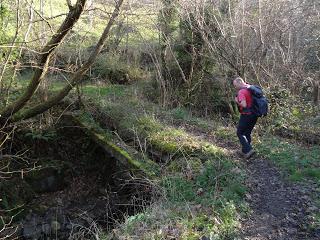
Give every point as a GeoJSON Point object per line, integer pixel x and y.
{"type": "Point", "coordinates": [77, 190]}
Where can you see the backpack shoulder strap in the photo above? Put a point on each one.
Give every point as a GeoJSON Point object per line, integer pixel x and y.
{"type": "Point", "coordinates": [256, 90]}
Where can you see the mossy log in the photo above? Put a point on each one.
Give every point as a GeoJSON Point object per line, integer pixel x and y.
{"type": "Point", "coordinates": [127, 157]}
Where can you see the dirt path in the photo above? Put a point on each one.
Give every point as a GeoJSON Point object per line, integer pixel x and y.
{"type": "Point", "coordinates": [281, 210]}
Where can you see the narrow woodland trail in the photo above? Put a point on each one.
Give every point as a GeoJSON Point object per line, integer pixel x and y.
{"type": "Point", "coordinates": [280, 209]}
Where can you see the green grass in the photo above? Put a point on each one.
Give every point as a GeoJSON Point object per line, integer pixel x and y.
{"type": "Point", "coordinates": [101, 92]}
{"type": "Point", "coordinates": [183, 222]}
{"type": "Point", "coordinates": [298, 161]}
{"type": "Point", "coordinates": [216, 179]}
{"type": "Point", "coordinates": [185, 116]}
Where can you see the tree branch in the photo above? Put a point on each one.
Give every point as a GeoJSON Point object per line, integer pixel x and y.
{"type": "Point", "coordinates": [70, 5]}
{"type": "Point", "coordinates": [77, 78]}
{"type": "Point", "coordinates": [46, 53]}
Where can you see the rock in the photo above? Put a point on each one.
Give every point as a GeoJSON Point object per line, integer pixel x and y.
{"type": "Point", "coordinates": [46, 180]}
{"type": "Point", "coordinates": [62, 218]}
{"type": "Point", "coordinates": [197, 207]}
{"type": "Point", "coordinates": [68, 226]}
{"type": "Point", "coordinates": [31, 231]}
{"type": "Point", "coordinates": [175, 232]}
{"type": "Point", "coordinates": [46, 229]}
{"type": "Point", "coordinates": [204, 238]}
{"type": "Point", "coordinates": [200, 191]}
{"type": "Point", "coordinates": [236, 170]}
{"type": "Point", "coordinates": [248, 196]}
{"type": "Point", "coordinates": [216, 221]}
{"type": "Point", "coordinates": [312, 209]}
{"type": "Point", "coordinates": [291, 231]}
{"type": "Point", "coordinates": [55, 226]}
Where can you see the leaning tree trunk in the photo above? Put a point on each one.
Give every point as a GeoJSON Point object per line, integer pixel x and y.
{"type": "Point", "coordinates": [77, 78]}
{"type": "Point", "coordinates": [47, 51]}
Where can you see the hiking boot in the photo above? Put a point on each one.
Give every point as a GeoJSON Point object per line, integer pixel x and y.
{"type": "Point", "coordinates": [249, 154]}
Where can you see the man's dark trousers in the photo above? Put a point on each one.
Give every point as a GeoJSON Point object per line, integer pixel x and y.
{"type": "Point", "coordinates": [245, 127]}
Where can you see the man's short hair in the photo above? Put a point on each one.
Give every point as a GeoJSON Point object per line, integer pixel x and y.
{"type": "Point", "coordinates": [232, 79]}
{"type": "Point", "coordinates": [238, 80]}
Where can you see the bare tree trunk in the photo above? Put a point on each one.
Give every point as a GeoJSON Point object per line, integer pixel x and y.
{"type": "Point", "coordinates": [316, 92]}
{"type": "Point", "coordinates": [71, 19]}
{"type": "Point", "coordinates": [43, 87]}
{"type": "Point", "coordinates": [91, 16]}
{"type": "Point", "coordinates": [77, 78]}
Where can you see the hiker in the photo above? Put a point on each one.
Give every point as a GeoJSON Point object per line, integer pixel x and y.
{"type": "Point", "coordinates": [247, 119]}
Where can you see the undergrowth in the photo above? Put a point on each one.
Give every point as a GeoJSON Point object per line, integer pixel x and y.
{"type": "Point", "coordinates": [200, 187]}
{"type": "Point", "coordinates": [194, 203]}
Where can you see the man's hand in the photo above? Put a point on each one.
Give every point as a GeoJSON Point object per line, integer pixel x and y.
{"type": "Point", "coordinates": [243, 103]}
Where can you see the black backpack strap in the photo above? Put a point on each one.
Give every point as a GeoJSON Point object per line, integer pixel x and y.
{"type": "Point", "coordinates": [256, 91]}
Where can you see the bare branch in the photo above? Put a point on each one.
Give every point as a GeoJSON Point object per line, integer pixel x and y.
{"type": "Point", "coordinates": [47, 51]}
{"type": "Point", "coordinates": [42, 17]}
{"type": "Point", "coordinates": [77, 78]}
{"type": "Point", "coordinates": [70, 5]}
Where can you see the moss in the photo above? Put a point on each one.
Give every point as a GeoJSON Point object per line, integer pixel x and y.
{"type": "Point", "coordinates": [106, 140]}
{"type": "Point", "coordinates": [174, 141]}
{"type": "Point", "coordinates": [213, 150]}
{"type": "Point", "coordinates": [161, 138]}
{"type": "Point", "coordinates": [147, 125]}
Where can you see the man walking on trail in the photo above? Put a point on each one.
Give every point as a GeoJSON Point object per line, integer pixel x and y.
{"type": "Point", "coordinates": [247, 119]}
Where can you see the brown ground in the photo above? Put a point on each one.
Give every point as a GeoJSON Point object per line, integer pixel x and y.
{"type": "Point", "coordinates": [280, 210]}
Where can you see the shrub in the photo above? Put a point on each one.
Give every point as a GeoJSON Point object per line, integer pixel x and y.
{"type": "Point", "coordinates": [111, 68]}
{"type": "Point", "coordinates": [287, 110]}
